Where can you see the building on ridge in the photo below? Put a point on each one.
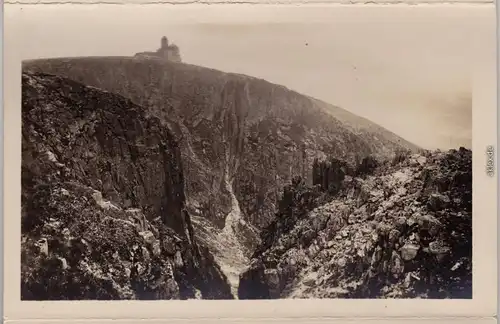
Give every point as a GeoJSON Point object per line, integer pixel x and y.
{"type": "Point", "coordinates": [168, 52]}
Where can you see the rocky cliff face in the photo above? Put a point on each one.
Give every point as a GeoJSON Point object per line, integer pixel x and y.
{"type": "Point", "coordinates": [241, 141]}
{"type": "Point", "coordinates": [235, 128]}
{"type": "Point", "coordinates": [103, 206]}
{"type": "Point", "coordinates": [384, 230]}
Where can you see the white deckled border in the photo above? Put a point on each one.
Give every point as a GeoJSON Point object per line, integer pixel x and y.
{"type": "Point", "coordinates": [254, 2]}
{"type": "Point", "coordinates": [477, 310]}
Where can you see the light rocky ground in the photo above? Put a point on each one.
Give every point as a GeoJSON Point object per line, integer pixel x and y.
{"type": "Point", "coordinates": [403, 231]}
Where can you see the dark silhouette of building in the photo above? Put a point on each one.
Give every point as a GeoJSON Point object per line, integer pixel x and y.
{"type": "Point", "coordinates": [169, 52]}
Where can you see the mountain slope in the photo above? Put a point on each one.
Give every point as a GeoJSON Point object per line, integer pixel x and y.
{"type": "Point", "coordinates": [261, 134]}
{"type": "Point", "coordinates": [399, 230]}
{"type": "Point", "coordinates": [103, 207]}
{"type": "Point", "coordinates": [242, 139]}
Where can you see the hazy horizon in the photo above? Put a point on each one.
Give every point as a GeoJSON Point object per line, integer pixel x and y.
{"type": "Point", "coordinates": [408, 70]}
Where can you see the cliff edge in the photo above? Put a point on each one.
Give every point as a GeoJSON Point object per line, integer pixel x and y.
{"type": "Point", "coordinates": [103, 206]}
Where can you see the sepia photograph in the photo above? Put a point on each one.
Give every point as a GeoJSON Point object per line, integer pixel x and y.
{"type": "Point", "coordinates": [320, 153]}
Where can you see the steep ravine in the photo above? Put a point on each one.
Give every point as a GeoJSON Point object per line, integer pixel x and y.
{"type": "Point", "coordinates": [145, 179]}
{"type": "Point", "coordinates": [233, 260]}
{"type": "Point", "coordinates": [105, 216]}
{"type": "Point", "coordinates": [241, 139]}
{"type": "Point", "coordinates": [271, 133]}
{"type": "Point", "coordinates": [228, 243]}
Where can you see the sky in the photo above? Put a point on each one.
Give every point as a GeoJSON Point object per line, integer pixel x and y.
{"type": "Point", "coordinates": [407, 68]}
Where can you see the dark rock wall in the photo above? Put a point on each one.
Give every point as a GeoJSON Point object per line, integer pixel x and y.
{"type": "Point", "coordinates": [96, 167]}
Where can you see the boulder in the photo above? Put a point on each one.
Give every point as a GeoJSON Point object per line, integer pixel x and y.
{"type": "Point", "coordinates": [438, 202]}
{"type": "Point", "coordinates": [409, 251]}
{"type": "Point", "coordinates": [148, 237]}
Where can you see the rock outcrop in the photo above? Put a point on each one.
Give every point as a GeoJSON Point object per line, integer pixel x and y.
{"type": "Point", "coordinates": [391, 230]}
{"type": "Point", "coordinates": [103, 206]}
